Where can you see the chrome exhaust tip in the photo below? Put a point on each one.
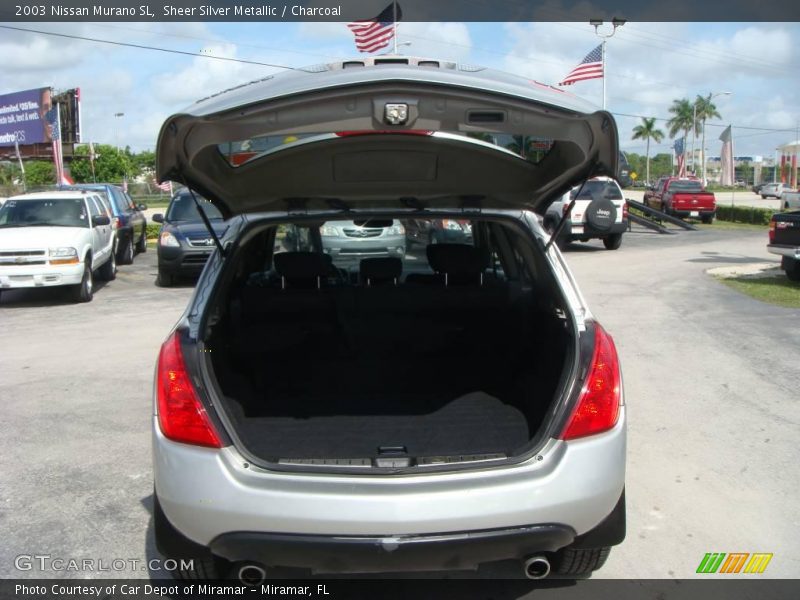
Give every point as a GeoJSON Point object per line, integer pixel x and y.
{"type": "Point", "coordinates": [536, 567]}
{"type": "Point", "coordinates": [252, 574]}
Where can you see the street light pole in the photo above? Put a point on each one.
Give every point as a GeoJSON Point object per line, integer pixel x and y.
{"type": "Point", "coordinates": [694, 122]}
{"type": "Point", "coordinates": [596, 23]}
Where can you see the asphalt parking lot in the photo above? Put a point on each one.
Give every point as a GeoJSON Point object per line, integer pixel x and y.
{"type": "Point", "coordinates": [710, 383]}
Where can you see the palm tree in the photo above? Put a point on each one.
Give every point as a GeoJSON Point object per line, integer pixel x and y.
{"type": "Point", "coordinates": [647, 131]}
{"type": "Point", "coordinates": [705, 110]}
{"type": "Point", "coordinates": [682, 120]}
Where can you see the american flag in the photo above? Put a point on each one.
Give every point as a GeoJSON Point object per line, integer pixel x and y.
{"type": "Point", "coordinates": [54, 120]}
{"type": "Point", "coordinates": [374, 34]}
{"type": "Point", "coordinates": [591, 67]}
{"type": "Point", "coordinates": [165, 187]}
{"type": "Point", "coordinates": [678, 146]}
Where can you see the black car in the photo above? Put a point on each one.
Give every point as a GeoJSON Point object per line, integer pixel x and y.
{"type": "Point", "coordinates": [127, 218]}
{"type": "Point", "coordinates": [184, 243]}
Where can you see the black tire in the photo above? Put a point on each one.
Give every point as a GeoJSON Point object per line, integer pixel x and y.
{"type": "Point", "coordinates": [763, 197]}
{"type": "Point", "coordinates": [601, 214]}
{"type": "Point", "coordinates": [792, 269]}
{"type": "Point", "coordinates": [579, 562]}
{"type": "Point", "coordinates": [613, 241]}
{"type": "Point", "coordinates": [108, 271]}
{"type": "Point", "coordinates": [141, 244]}
{"type": "Point", "coordinates": [707, 219]}
{"type": "Point", "coordinates": [164, 279]}
{"type": "Point", "coordinates": [126, 253]}
{"type": "Point", "coordinates": [84, 291]}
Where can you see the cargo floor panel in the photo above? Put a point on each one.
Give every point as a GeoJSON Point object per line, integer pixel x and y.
{"type": "Point", "coordinates": [475, 423]}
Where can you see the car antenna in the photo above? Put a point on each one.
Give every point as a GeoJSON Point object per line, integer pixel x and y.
{"type": "Point", "coordinates": [564, 217]}
{"type": "Point", "coordinates": [206, 222]}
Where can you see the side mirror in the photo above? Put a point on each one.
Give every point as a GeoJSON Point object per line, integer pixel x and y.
{"type": "Point", "coordinates": [141, 207]}
{"type": "Point", "coordinates": [99, 220]}
{"type": "Point", "coordinates": [158, 218]}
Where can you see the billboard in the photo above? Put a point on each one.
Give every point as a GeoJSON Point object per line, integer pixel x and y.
{"type": "Point", "coordinates": [22, 117]}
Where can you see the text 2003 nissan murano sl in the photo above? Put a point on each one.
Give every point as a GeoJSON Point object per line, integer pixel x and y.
{"type": "Point", "coordinates": [453, 407]}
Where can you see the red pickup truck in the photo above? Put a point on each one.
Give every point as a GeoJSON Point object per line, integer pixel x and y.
{"type": "Point", "coordinates": [682, 198]}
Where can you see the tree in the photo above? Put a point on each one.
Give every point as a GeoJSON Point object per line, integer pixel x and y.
{"type": "Point", "coordinates": [682, 120]}
{"type": "Point", "coordinates": [110, 165]}
{"type": "Point", "coordinates": [705, 110]}
{"type": "Point", "coordinates": [40, 172]}
{"type": "Point", "coordinates": [647, 131]}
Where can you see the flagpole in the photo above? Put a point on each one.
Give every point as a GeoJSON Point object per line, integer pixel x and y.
{"type": "Point", "coordinates": [603, 55]}
{"type": "Point", "coordinates": [394, 8]}
{"type": "Point", "coordinates": [57, 149]}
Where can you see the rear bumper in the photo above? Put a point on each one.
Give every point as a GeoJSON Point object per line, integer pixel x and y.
{"type": "Point", "coordinates": [12, 277]}
{"type": "Point", "coordinates": [584, 230]}
{"type": "Point", "coordinates": [208, 493]}
{"type": "Point", "coordinates": [449, 551]}
{"type": "Point", "coordinates": [690, 212]}
{"type": "Point", "coordinates": [790, 251]}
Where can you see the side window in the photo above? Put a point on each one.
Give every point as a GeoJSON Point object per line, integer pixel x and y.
{"type": "Point", "coordinates": [119, 199]}
{"type": "Point", "coordinates": [94, 209]}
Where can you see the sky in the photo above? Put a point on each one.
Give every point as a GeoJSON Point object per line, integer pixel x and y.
{"type": "Point", "coordinates": [648, 66]}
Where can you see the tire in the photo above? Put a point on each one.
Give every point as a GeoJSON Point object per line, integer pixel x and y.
{"type": "Point", "coordinates": [613, 241]}
{"type": "Point", "coordinates": [126, 254]}
{"type": "Point", "coordinates": [601, 214]}
{"type": "Point", "coordinates": [164, 279]}
{"type": "Point", "coordinates": [141, 245]}
{"type": "Point", "coordinates": [763, 197]}
{"type": "Point", "coordinates": [792, 270]}
{"type": "Point", "coordinates": [108, 271]}
{"type": "Point", "coordinates": [578, 562]}
{"type": "Point", "coordinates": [84, 291]}
{"type": "Point", "coordinates": [707, 219]}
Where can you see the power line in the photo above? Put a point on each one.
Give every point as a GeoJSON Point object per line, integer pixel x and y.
{"type": "Point", "coordinates": [144, 47]}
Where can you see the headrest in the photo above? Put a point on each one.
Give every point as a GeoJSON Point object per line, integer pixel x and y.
{"type": "Point", "coordinates": [455, 259]}
{"type": "Point", "coordinates": [380, 269]}
{"type": "Point", "coordinates": [302, 265]}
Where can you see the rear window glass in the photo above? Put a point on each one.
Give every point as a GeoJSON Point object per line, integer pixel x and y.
{"type": "Point", "coordinates": [685, 186]}
{"type": "Point", "coordinates": [597, 189]}
{"type": "Point", "coordinates": [183, 208]}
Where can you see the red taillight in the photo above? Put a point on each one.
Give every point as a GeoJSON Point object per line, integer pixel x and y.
{"type": "Point", "coordinates": [772, 227]}
{"type": "Point", "coordinates": [181, 415]}
{"type": "Point", "coordinates": [625, 211]}
{"type": "Point", "coordinates": [115, 222]}
{"type": "Point", "coordinates": [598, 405]}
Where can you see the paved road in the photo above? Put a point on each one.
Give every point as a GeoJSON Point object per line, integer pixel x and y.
{"type": "Point", "coordinates": [710, 381]}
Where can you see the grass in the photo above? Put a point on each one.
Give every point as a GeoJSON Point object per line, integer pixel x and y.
{"type": "Point", "coordinates": [718, 225]}
{"type": "Point", "coordinates": [778, 290]}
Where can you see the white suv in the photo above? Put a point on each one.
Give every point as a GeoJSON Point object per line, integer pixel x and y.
{"type": "Point", "coordinates": [56, 238]}
{"type": "Point", "coordinates": [599, 212]}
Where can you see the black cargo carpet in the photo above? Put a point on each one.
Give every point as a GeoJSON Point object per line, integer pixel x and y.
{"type": "Point", "coordinates": [475, 423]}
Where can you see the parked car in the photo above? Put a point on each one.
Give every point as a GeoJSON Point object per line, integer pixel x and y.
{"type": "Point", "coordinates": [773, 190]}
{"type": "Point", "coordinates": [790, 199]}
{"type": "Point", "coordinates": [437, 231]}
{"type": "Point", "coordinates": [58, 238]}
{"type": "Point", "coordinates": [757, 187]}
{"type": "Point", "coordinates": [600, 211]}
{"type": "Point", "coordinates": [127, 219]}
{"type": "Point", "coordinates": [347, 242]}
{"type": "Point", "coordinates": [682, 197]}
{"type": "Point", "coordinates": [472, 413]}
{"type": "Point", "coordinates": [784, 240]}
{"type": "Point", "coordinates": [184, 243]}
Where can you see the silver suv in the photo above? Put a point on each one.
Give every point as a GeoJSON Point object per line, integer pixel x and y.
{"type": "Point", "coordinates": [451, 407]}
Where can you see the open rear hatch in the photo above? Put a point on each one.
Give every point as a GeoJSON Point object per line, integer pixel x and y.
{"type": "Point", "coordinates": [263, 145]}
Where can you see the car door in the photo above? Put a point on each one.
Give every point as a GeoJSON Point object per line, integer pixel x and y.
{"type": "Point", "coordinates": [137, 218]}
{"type": "Point", "coordinates": [101, 234]}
